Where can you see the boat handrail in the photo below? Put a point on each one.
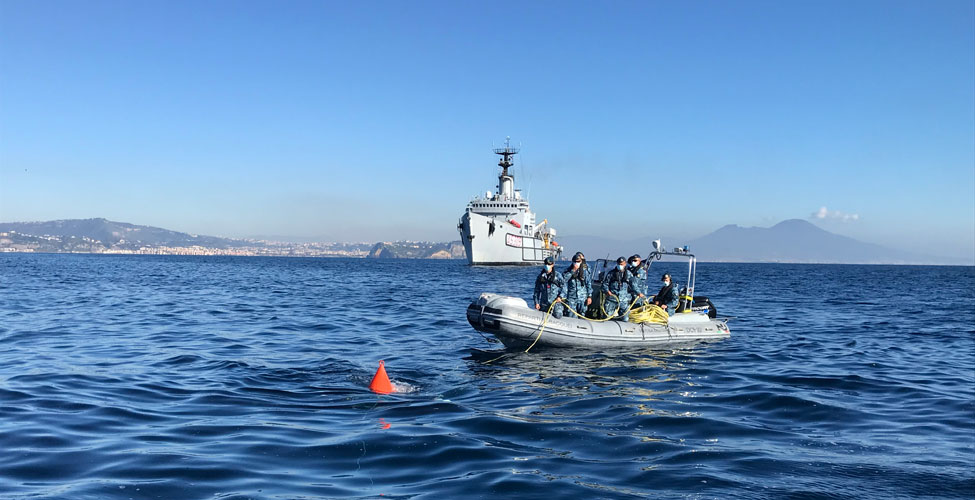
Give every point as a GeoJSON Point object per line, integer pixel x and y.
{"type": "Point", "coordinates": [603, 264]}
{"type": "Point", "coordinates": [678, 252]}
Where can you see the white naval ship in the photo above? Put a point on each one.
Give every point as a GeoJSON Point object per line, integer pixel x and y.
{"type": "Point", "coordinates": [499, 229]}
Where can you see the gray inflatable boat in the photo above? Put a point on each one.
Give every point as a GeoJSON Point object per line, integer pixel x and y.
{"type": "Point", "coordinates": [517, 325]}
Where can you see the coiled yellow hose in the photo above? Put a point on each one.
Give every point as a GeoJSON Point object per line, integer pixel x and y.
{"type": "Point", "coordinates": [649, 313]}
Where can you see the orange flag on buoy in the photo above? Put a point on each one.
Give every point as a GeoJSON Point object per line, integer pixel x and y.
{"type": "Point", "coordinates": [380, 382]}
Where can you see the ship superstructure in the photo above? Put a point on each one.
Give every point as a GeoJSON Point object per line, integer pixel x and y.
{"type": "Point", "coordinates": [500, 228]}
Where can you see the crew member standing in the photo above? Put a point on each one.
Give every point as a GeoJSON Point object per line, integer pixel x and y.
{"type": "Point", "coordinates": [616, 291]}
{"type": "Point", "coordinates": [549, 289]}
{"type": "Point", "coordinates": [638, 280]}
{"type": "Point", "coordinates": [578, 285]}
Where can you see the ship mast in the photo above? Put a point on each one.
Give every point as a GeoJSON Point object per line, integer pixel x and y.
{"type": "Point", "coordinates": [506, 181]}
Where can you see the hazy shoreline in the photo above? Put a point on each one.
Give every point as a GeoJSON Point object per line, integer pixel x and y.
{"type": "Point", "coordinates": [703, 261]}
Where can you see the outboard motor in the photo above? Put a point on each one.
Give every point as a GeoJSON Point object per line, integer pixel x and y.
{"type": "Point", "coordinates": [700, 304]}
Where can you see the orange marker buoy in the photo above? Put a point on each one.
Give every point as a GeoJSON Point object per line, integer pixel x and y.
{"type": "Point", "coordinates": [380, 382]}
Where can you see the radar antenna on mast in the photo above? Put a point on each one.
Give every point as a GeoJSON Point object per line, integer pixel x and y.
{"type": "Point", "coordinates": [506, 153]}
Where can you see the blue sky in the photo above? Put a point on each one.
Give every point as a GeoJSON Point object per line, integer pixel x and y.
{"type": "Point", "coordinates": [374, 120]}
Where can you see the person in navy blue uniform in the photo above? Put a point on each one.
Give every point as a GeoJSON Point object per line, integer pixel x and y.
{"type": "Point", "coordinates": [578, 285]}
{"type": "Point", "coordinates": [638, 280]}
{"type": "Point", "coordinates": [667, 297]}
{"type": "Point", "coordinates": [549, 289]}
{"type": "Point", "coordinates": [616, 291]}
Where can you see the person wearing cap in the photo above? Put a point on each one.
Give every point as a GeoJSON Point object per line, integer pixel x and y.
{"type": "Point", "coordinates": [578, 284]}
{"type": "Point", "coordinates": [549, 289]}
{"type": "Point", "coordinates": [667, 297]}
{"type": "Point", "coordinates": [616, 291]}
{"type": "Point", "coordinates": [638, 279]}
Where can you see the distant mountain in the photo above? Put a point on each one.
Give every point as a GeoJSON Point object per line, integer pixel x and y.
{"type": "Point", "coordinates": [797, 240]}
{"type": "Point", "coordinates": [112, 234]}
{"type": "Point", "coordinates": [793, 240]}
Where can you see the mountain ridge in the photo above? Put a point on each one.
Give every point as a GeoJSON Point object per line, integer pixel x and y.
{"type": "Point", "coordinates": [122, 235]}
{"type": "Point", "coordinates": [791, 240]}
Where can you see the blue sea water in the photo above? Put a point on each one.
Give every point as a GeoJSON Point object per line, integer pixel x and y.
{"type": "Point", "coordinates": [219, 377]}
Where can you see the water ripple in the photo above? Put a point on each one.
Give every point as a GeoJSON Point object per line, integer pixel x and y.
{"type": "Point", "coordinates": [192, 377]}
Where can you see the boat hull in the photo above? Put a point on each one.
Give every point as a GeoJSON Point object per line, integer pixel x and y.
{"type": "Point", "coordinates": [518, 326]}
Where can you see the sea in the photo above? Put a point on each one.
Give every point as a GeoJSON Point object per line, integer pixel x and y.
{"type": "Point", "coordinates": [171, 377]}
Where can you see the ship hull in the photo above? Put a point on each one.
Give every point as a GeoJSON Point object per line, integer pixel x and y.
{"type": "Point", "coordinates": [504, 246]}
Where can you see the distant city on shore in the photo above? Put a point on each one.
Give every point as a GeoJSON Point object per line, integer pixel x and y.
{"type": "Point", "coordinates": [103, 236]}
{"type": "Point", "coordinates": [793, 241]}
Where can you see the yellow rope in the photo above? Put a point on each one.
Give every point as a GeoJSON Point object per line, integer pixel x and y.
{"type": "Point", "coordinates": [602, 307]}
{"type": "Point", "coordinates": [649, 313]}
{"type": "Point", "coordinates": [548, 314]}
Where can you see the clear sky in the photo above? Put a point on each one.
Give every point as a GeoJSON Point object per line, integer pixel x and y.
{"type": "Point", "coordinates": [374, 120]}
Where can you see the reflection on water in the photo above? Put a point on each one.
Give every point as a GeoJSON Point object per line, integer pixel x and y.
{"type": "Point", "coordinates": [560, 377]}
